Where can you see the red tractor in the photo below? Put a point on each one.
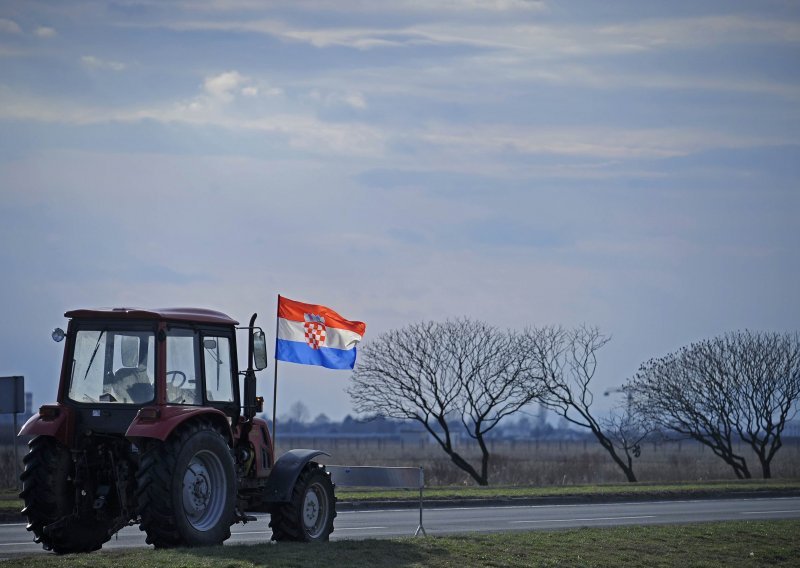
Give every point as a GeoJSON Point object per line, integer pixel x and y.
{"type": "Point", "coordinates": [153, 426]}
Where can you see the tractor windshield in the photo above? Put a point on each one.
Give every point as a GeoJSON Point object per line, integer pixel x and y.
{"type": "Point", "coordinates": [113, 366]}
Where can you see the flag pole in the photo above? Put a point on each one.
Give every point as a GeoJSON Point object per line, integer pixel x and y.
{"type": "Point", "coordinates": [275, 382]}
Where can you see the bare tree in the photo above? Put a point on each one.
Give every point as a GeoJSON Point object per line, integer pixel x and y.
{"type": "Point", "coordinates": [627, 430]}
{"type": "Point", "coordinates": [566, 361]}
{"type": "Point", "coordinates": [678, 392]}
{"type": "Point", "coordinates": [439, 373]}
{"type": "Point", "coordinates": [765, 370]}
{"type": "Point", "coordinates": [299, 412]}
{"type": "Point", "coordinates": [739, 386]}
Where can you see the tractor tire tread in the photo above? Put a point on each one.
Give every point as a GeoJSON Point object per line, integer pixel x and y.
{"type": "Point", "coordinates": [153, 481]}
{"type": "Point", "coordinates": [285, 519]}
{"type": "Point", "coordinates": [48, 466]}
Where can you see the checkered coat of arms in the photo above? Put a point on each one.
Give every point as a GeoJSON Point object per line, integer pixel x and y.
{"type": "Point", "coordinates": [314, 327]}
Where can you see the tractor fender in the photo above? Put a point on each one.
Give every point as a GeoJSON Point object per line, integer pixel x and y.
{"type": "Point", "coordinates": [58, 426]}
{"type": "Point", "coordinates": [160, 421]}
{"type": "Point", "coordinates": [285, 472]}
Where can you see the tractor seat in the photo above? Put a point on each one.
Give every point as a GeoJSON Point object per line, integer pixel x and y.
{"type": "Point", "coordinates": [134, 384]}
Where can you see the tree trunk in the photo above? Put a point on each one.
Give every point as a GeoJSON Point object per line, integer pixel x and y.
{"type": "Point", "coordinates": [766, 468]}
{"type": "Point", "coordinates": [627, 468]}
{"type": "Point", "coordinates": [465, 465]}
{"type": "Point", "coordinates": [455, 457]}
{"type": "Point", "coordinates": [629, 473]}
{"type": "Point", "coordinates": [765, 455]}
{"type": "Point", "coordinates": [723, 449]}
{"type": "Point", "coordinates": [484, 460]}
{"type": "Point", "coordinates": [740, 470]}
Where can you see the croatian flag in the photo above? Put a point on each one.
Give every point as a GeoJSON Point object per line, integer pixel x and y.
{"type": "Point", "coordinates": [316, 335]}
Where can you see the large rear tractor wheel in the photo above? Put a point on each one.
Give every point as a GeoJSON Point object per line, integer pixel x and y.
{"type": "Point", "coordinates": [187, 489]}
{"type": "Point", "coordinates": [49, 495]}
{"type": "Point", "coordinates": [308, 517]}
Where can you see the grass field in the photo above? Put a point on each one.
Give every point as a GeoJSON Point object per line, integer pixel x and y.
{"type": "Point", "coordinates": [550, 463]}
{"type": "Point", "coordinates": [712, 544]}
{"type": "Point", "coordinates": [526, 463]}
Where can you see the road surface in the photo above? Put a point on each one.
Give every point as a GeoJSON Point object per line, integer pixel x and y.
{"type": "Point", "coordinates": [15, 540]}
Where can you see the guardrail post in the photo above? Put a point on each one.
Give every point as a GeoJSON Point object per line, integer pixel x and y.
{"type": "Point", "coordinates": [420, 528]}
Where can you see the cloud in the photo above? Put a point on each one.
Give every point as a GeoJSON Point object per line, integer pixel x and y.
{"type": "Point", "coordinates": [534, 39]}
{"type": "Point", "coordinates": [484, 70]}
{"type": "Point", "coordinates": [707, 30]}
{"type": "Point", "coordinates": [45, 32]}
{"type": "Point", "coordinates": [577, 40]}
{"type": "Point", "coordinates": [96, 63]}
{"type": "Point", "coordinates": [301, 131]}
{"type": "Point", "coordinates": [370, 6]}
{"type": "Point", "coordinates": [225, 86]}
{"type": "Point", "coordinates": [352, 99]}
{"type": "Point", "coordinates": [355, 100]}
{"type": "Point", "coordinates": [597, 142]}
{"type": "Point", "coordinates": [9, 26]}
{"type": "Point", "coordinates": [460, 145]}
{"type": "Point", "coordinates": [358, 38]}
{"type": "Point", "coordinates": [461, 5]}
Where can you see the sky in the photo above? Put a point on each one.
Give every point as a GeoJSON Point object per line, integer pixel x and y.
{"type": "Point", "coordinates": [627, 165]}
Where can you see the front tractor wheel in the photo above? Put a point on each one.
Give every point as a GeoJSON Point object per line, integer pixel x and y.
{"type": "Point", "coordinates": [308, 517]}
{"type": "Point", "coordinates": [187, 489]}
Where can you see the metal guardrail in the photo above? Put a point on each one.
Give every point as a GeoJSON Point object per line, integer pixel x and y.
{"type": "Point", "coordinates": [372, 476]}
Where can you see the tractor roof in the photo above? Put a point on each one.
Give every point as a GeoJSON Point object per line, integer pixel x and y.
{"type": "Point", "coordinates": [175, 314]}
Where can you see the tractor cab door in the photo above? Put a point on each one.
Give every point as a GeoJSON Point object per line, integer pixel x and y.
{"type": "Point", "coordinates": [219, 365]}
{"type": "Point", "coordinates": [201, 368]}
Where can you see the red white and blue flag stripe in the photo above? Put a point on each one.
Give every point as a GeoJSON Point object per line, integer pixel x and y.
{"type": "Point", "coordinates": [315, 335]}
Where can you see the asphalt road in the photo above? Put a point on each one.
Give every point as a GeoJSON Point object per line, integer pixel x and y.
{"type": "Point", "coordinates": [15, 540]}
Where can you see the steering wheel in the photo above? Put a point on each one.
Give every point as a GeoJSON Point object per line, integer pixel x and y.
{"type": "Point", "coordinates": [175, 376]}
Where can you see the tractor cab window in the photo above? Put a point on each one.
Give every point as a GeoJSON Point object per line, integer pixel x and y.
{"type": "Point", "coordinates": [183, 386]}
{"type": "Point", "coordinates": [113, 366]}
{"type": "Point", "coordinates": [219, 376]}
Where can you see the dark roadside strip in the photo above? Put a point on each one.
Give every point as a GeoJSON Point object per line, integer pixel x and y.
{"type": "Point", "coordinates": [578, 499]}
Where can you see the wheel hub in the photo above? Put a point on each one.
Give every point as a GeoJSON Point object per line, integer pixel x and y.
{"type": "Point", "coordinates": [204, 490]}
{"type": "Point", "coordinates": [311, 509]}
{"type": "Point", "coordinates": [196, 489]}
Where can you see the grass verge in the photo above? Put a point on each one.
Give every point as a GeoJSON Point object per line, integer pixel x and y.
{"type": "Point", "coordinates": [10, 501]}
{"type": "Point", "coordinates": [621, 490]}
{"type": "Point", "coordinates": [750, 543]}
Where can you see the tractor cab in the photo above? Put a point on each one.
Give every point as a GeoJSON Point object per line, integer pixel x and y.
{"type": "Point", "coordinates": [120, 360]}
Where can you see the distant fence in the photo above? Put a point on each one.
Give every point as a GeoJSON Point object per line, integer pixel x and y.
{"type": "Point", "coordinates": [373, 476]}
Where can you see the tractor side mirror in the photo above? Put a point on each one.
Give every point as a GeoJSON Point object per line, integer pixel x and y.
{"type": "Point", "coordinates": [259, 350]}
